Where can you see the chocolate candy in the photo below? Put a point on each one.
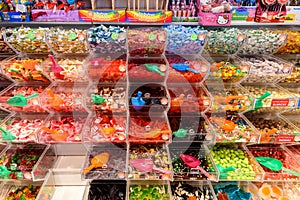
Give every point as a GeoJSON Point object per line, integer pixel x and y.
{"type": "Point", "coordinates": [189, 190]}
{"type": "Point", "coordinates": [146, 41]}
{"type": "Point", "coordinates": [107, 189]}
{"type": "Point", "coordinates": [107, 40]}
{"type": "Point", "coordinates": [149, 191]}
{"type": "Point", "coordinates": [225, 41]}
{"type": "Point", "coordinates": [67, 41]}
{"type": "Point", "coordinates": [185, 40]}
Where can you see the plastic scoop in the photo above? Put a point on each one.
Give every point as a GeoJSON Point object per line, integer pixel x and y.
{"type": "Point", "coordinates": [180, 133]}
{"type": "Point", "coordinates": [20, 100]}
{"type": "Point", "coordinates": [154, 68]}
{"type": "Point", "coordinates": [183, 67]}
{"type": "Point", "coordinates": [97, 161]}
{"type": "Point", "coordinates": [258, 102]}
{"type": "Point", "coordinates": [97, 99]}
{"type": "Point", "coordinates": [138, 101]}
{"type": "Point", "coordinates": [275, 165]}
{"type": "Point", "coordinates": [56, 135]}
{"type": "Point", "coordinates": [56, 68]}
{"type": "Point", "coordinates": [146, 165]}
{"type": "Point", "coordinates": [54, 100]}
{"type": "Point", "coordinates": [156, 133]}
{"type": "Point", "coordinates": [193, 162]}
{"type": "Point", "coordinates": [224, 170]}
{"type": "Point", "coordinates": [4, 172]}
{"type": "Point", "coordinates": [6, 135]}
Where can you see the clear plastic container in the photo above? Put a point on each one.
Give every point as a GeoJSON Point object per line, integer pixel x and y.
{"type": "Point", "coordinates": [62, 128]}
{"type": "Point", "coordinates": [14, 190]}
{"type": "Point", "coordinates": [158, 190]}
{"type": "Point", "coordinates": [67, 41]}
{"type": "Point", "coordinates": [199, 190]}
{"type": "Point", "coordinates": [235, 163]}
{"type": "Point", "coordinates": [22, 103]}
{"type": "Point", "coordinates": [147, 69]}
{"type": "Point", "coordinates": [66, 69]}
{"type": "Point", "coordinates": [188, 98]}
{"type": "Point", "coordinates": [27, 161]}
{"type": "Point", "coordinates": [295, 73]}
{"type": "Point", "coordinates": [4, 48]}
{"type": "Point", "coordinates": [199, 151]}
{"type": "Point", "coordinates": [146, 41]}
{"type": "Point", "coordinates": [107, 40]}
{"type": "Point", "coordinates": [185, 40]}
{"type": "Point", "coordinates": [151, 128]}
{"type": "Point", "coordinates": [148, 97]}
{"type": "Point", "coordinates": [107, 98]}
{"type": "Point", "coordinates": [106, 161]}
{"type": "Point", "coordinates": [275, 151]}
{"type": "Point", "coordinates": [273, 128]}
{"type": "Point", "coordinates": [27, 40]}
{"type": "Point", "coordinates": [102, 128]}
{"type": "Point", "coordinates": [106, 68]}
{"type": "Point", "coordinates": [292, 45]}
{"type": "Point", "coordinates": [187, 68]}
{"type": "Point", "coordinates": [25, 68]}
{"type": "Point", "coordinates": [266, 69]}
{"type": "Point", "coordinates": [149, 162]}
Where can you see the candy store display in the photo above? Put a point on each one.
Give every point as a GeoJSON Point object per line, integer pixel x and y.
{"type": "Point", "coordinates": [184, 10]}
{"type": "Point", "coordinates": [4, 48]}
{"type": "Point", "coordinates": [106, 161]}
{"type": "Point", "coordinates": [185, 40]}
{"type": "Point", "coordinates": [24, 69]}
{"type": "Point", "coordinates": [234, 162]}
{"type": "Point", "coordinates": [187, 69]}
{"type": "Point", "coordinates": [67, 41]}
{"type": "Point", "coordinates": [20, 98]}
{"type": "Point", "coordinates": [292, 45]}
{"type": "Point", "coordinates": [191, 190]}
{"type": "Point", "coordinates": [28, 40]}
{"type": "Point", "coordinates": [190, 161]}
{"type": "Point", "coordinates": [225, 41]}
{"type": "Point", "coordinates": [62, 128]}
{"type": "Point", "coordinates": [266, 69]}
{"type": "Point", "coordinates": [28, 192]}
{"type": "Point", "coordinates": [286, 168]}
{"type": "Point", "coordinates": [107, 189]}
{"type": "Point", "coordinates": [149, 162]}
{"type": "Point", "coordinates": [158, 190]}
{"type": "Point", "coordinates": [69, 69]}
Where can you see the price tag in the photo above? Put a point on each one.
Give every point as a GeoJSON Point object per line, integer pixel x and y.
{"type": "Point", "coordinates": [280, 102]}
{"type": "Point", "coordinates": [285, 138]}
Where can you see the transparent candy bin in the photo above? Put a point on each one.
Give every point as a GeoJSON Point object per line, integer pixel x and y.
{"type": "Point", "coordinates": [111, 161]}
{"type": "Point", "coordinates": [108, 68]}
{"type": "Point", "coordinates": [13, 190]}
{"type": "Point", "coordinates": [232, 127]}
{"type": "Point", "coordinates": [62, 128]}
{"type": "Point", "coordinates": [187, 68]}
{"type": "Point", "coordinates": [103, 127]}
{"type": "Point", "coordinates": [188, 98]}
{"type": "Point", "coordinates": [294, 89]}
{"type": "Point", "coordinates": [27, 40]}
{"type": "Point", "coordinates": [295, 73]}
{"type": "Point", "coordinates": [22, 127]}
{"type": "Point", "coordinates": [62, 185]}
{"type": "Point", "coordinates": [107, 40]}
{"type": "Point", "coordinates": [244, 186]}
{"type": "Point", "coordinates": [275, 151]}
{"type": "Point", "coordinates": [266, 69]}
{"type": "Point", "coordinates": [149, 162]}
{"type": "Point", "coordinates": [27, 161]}
{"type": "Point", "coordinates": [148, 97]}
{"type": "Point", "coordinates": [4, 47]}
{"type": "Point", "coordinates": [64, 97]}
{"type": "Point", "coordinates": [67, 41]}
{"type": "Point", "coordinates": [33, 91]}
{"type": "Point", "coordinates": [182, 171]}
{"type": "Point", "coordinates": [25, 68]}
{"type": "Point", "coordinates": [273, 127]}
{"type": "Point", "coordinates": [149, 128]}
{"type": "Point", "coordinates": [231, 98]}
{"type": "Point", "coordinates": [158, 190]}
{"type": "Point", "coordinates": [107, 98]}
{"type": "Point", "coordinates": [98, 189]}
{"type": "Point", "coordinates": [147, 69]}
{"type": "Point", "coordinates": [228, 69]}
{"type": "Point", "coordinates": [292, 43]}
{"type": "Point", "coordinates": [146, 41]}
{"type": "Point", "coordinates": [237, 165]}
{"type": "Point", "coordinates": [279, 98]}
{"type": "Point", "coordinates": [68, 68]}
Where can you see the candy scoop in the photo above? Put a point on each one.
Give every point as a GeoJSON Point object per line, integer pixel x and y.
{"type": "Point", "coordinates": [97, 99]}
{"type": "Point", "coordinates": [258, 102]}
{"type": "Point", "coordinates": [153, 68]}
{"type": "Point", "coordinates": [54, 100]}
{"type": "Point", "coordinates": [20, 100]}
{"type": "Point", "coordinates": [138, 101]}
{"type": "Point", "coordinates": [146, 165]}
{"type": "Point", "coordinates": [180, 133]}
{"type": "Point", "coordinates": [56, 135]}
{"type": "Point", "coordinates": [4, 172]}
{"type": "Point", "coordinates": [97, 161]}
{"type": "Point", "coordinates": [274, 165]}
{"type": "Point", "coordinates": [183, 67]}
{"type": "Point", "coordinates": [56, 68]}
{"type": "Point", "coordinates": [224, 170]}
{"type": "Point", "coordinates": [6, 135]}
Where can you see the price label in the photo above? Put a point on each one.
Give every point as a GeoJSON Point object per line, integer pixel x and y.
{"type": "Point", "coordinates": [280, 102]}
{"type": "Point", "coordinates": [285, 138]}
